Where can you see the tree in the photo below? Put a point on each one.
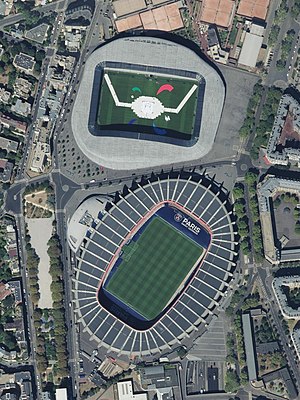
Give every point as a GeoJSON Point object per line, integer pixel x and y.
{"type": "Point", "coordinates": [297, 228]}
{"type": "Point", "coordinates": [8, 302]}
{"type": "Point", "coordinates": [231, 381]}
{"type": "Point", "coordinates": [250, 178]}
{"type": "Point", "coordinates": [5, 57]}
{"type": "Point", "coordinates": [42, 362]}
{"type": "Point", "coordinates": [273, 35]}
{"type": "Point", "coordinates": [238, 192]}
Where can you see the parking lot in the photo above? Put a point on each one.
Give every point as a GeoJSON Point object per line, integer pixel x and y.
{"type": "Point", "coordinates": [204, 377]}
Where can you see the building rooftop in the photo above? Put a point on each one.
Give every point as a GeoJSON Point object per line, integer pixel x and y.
{"type": "Point", "coordinates": [125, 392]}
{"type": "Point", "coordinates": [38, 33]}
{"type": "Point", "coordinates": [8, 145]}
{"type": "Point", "coordinates": [6, 169]}
{"type": "Point", "coordinates": [21, 107]}
{"type": "Point", "coordinates": [267, 189]}
{"type": "Point", "coordinates": [282, 147]}
{"type": "Point", "coordinates": [61, 394]}
{"type": "Point", "coordinates": [12, 123]}
{"type": "Point", "coordinates": [24, 62]}
{"type": "Point", "coordinates": [250, 50]}
{"type": "Point", "coordinates": [249, 347]}
{"type": "Point", "coordinates": [284, 374]}
{"type": "Point", "coordinates": [278, 284]}
{"type": "Point", "coordinates": [265, 348]}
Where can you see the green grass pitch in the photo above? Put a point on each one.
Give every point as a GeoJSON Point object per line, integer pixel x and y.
{"type": "Point", "coordinates": [124, 82]}
{"type": "Point", "coordinates": [153, 268]}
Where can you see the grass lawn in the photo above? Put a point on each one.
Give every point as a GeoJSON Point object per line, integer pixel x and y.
{"type": "Point", "coordinates": [129, 86]}
{"type": "Point", "coordinates": [153, 267]}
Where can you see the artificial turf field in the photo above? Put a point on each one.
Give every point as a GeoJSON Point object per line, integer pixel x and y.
{"type": "Point", "coordinates": [153, 267]}
{"type": "Point", "coordinates": [124, 83]}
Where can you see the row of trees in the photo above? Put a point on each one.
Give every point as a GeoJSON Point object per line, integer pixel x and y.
{"type": "Point", "coordinates": [280, 15]}
{"type": "Point", "coordinates": [248, 125]}
{"type": "Point", "coordinates": [237, 296]}
{"type": "Point", "coordinates": [263, 331]}
{"type": "Point", "coordinates": [32, 267]}
{"type": "Point", "coordinates": [286, 48]}
{"type": "Point", "coordinates": [265, 125]}
{"type": "Point", "coordinates": [42, 362]}
{"type": "Point", "coordinates": [232, 381]}
{"type": "Point", "coordinates": [5, 271]}
{"type": "Point", "coordinates": [242, 219]}
{"type": "Point", "coordinates": [257, 241]}
{"type": "Point", "coordinates": [57, 291]}
{"type": "Point", "coordinates": [52, 345]}
{"type": "Point", "coordinates": [295, 10]}
{"type": "Point", "coordinates": [239, 338]}
{"type": "Point", "coordinates": [39, 186]}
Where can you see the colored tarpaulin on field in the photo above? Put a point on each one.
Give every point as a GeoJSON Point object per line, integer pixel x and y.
{"type": "Point", "coordinates": [167, 87]}
{"type": "Point", "coordinates": [136, 89]}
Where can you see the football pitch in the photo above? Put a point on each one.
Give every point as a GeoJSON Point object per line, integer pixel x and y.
{"type": "Point", "coordinates": [129, 86]}
{"type": "Point", "coordinates": [153, 267]}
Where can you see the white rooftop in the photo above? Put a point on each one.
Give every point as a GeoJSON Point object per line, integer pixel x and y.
{"type": "Point", "coordinates": [125, 392]}
{"type": "Point", "coordinates": [250, 50]}
{"type": "Point", "coordinates": [61, 394]}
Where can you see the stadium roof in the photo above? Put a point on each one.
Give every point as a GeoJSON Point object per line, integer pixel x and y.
{"type": "Point", "coordinates": [195, 304]}
{"type": "Point", "coordinates": [123, 153]}
{"type": "Point", "coordinates": [219, 12]}
{"type": "Point", "coordinates": [253, 8]}
{"type": "Point", "coordinates": [81, 220]}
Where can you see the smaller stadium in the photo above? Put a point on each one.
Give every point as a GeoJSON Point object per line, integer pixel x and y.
{"type": "Point", "coordinates": [153, 264]}
{"type": "Point", "coordinates": [147, 99]}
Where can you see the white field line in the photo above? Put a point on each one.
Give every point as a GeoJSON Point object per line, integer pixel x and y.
{"type": "Point", "coordinates": [183, 101]}
{"type": "Point", "coordinates": [114, 95]}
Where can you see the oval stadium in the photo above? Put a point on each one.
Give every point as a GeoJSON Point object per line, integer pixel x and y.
{"type": "Point", "coordinates": [144, 99]}
{"type": "Point", "coordinates": [152, 264]}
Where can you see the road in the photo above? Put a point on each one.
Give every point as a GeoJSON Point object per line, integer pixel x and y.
{"type": "Point", "coordinates": [20, 223]}
{"type": "Point", "coordinates": [62, 197]}
{"type": "Point", "coordinates": [269, 296]}
{"type": "Point", "coordinates": [13, 19]}
{"type": "Point", "coordinates": [274, 74]}
{"type": "Point", "coordinates": [42, 80]}
{"type": "Point", "coordinates": [69, 312]}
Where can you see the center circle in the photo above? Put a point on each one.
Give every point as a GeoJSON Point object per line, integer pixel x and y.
{"type": "Point", "coordinates": [147, 107]}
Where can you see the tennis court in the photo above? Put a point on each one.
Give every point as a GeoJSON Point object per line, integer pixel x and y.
{"type": "Point", "coordinates": [130, 86]}
{"type": "Point", "coordinates": [153, 267]}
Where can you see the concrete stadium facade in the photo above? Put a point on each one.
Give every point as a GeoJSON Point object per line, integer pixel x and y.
{"type": "Point", "coordinates": [121, 153]}
{"type": "Point", "coordinates": [99, 246]}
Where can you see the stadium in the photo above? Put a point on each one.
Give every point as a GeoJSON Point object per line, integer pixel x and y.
{"type": "Point", "coordinates": [152, 264]}
{"type": "Point", "coordinates": [146, 99]}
